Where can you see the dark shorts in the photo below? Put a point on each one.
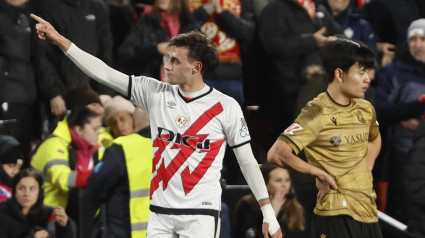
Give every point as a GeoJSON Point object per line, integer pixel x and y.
{"type": "Point", "coordinates": [343, 227]}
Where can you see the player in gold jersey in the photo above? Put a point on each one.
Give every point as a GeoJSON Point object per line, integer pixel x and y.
{"type": "Point", "coordinates": [340, 136]}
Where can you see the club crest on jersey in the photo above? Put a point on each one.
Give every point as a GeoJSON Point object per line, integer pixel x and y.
{"type": "Point", "coordinates": [292, 128]}
{"type": "Point", "coordinates": [182, 121]}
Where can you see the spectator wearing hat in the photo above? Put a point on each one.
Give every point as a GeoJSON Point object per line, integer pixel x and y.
{"type": "Point", "coordinates": [11, 159]}
{"type": "Point", "coordinates": [119, 116]}
{"type": "Point", "coordinates": [121, 180]}
{"type": "Point", "coordinates": [399, 105]}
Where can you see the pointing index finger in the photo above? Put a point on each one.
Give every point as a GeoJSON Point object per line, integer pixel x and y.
{"type": "Point", "coordinates": [37, 18]}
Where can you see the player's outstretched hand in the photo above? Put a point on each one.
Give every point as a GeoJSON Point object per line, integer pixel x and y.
{"type": "Point", "coordinates": [46, 31]}
{"type": "Point", "coordinates": [265, 230]}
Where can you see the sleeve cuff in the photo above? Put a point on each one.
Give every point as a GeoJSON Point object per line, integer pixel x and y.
{"type": "Point", "coordinates": [71, 49]}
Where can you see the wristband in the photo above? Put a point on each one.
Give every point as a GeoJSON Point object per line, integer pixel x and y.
{"type": "Point", "coordinates": [270, 217]}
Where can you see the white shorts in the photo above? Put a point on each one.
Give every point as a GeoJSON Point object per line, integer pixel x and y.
{"type": "Point", "coordinates": [182, 226]}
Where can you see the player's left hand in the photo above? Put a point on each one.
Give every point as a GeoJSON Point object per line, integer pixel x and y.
{"type": "Point", "coordinates": [265, 230]}
{"type": "Point", "coordinates": [323, 188]}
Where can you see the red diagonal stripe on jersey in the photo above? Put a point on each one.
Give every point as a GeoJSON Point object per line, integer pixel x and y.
{"type": "Point", "coordinates": [161, 144]}
{"type": "Point", "coordinates": [165, 174]}
{"type": "Point", "coordinates": [191, 179]}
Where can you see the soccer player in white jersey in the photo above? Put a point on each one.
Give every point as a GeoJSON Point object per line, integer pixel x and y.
{"type": "Point", "coordinates": [191, 125]}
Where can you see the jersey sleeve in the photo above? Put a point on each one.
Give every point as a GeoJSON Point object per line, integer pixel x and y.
{"type": "Point", "coordinates": [374, 126]}
{"type": "Point", "coordinates": [305, 128]}
{"type": "Point", "coordinates": [141, 90]}
{"type": "Point", "coordinates": [235, 126]}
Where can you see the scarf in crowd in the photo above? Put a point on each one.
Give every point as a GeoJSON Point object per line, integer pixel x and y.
{"type": "Point", "coordinates": [84, 152]}
{"type": "Point", "coordinates": [227, 46]}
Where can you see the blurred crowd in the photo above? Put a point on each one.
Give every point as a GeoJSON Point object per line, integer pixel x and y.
{"type": "Point", "coordinates": [66, 140]}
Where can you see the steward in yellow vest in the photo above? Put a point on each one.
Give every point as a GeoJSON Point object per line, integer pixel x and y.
{"type": "Point", "coordinates": [122, 181]}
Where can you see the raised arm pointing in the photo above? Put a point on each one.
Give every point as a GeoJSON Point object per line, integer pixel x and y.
{"type": "Point", "coordinates": [46, 31]}
{"type": "Point", "coordinates": [90, 65]}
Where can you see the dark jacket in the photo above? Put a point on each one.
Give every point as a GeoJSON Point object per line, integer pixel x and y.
{"type": "Point", "coordinates": [390, 18]}
{"type": "Point", "coordinates": [138, 54]}
{"type": "Point", "coordinates": [86, 24]}
{"type": "Point", "coordinates": [356, 27]}
{"type": "Point", "coordinates": [286, 33]}
{"type": "Point", "coordinates": [399, 86]}
{"type": "Point", "coordinates": [14, 224]}
{"type": "Point", "coordinates": [17, 39]}
{"type": "Point", "coordinates": [109, 184]}
{"type": "Point", "coordinates": [414, 182]}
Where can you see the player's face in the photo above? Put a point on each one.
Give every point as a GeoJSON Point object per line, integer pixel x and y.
{"type": "Point", "coordinates": [355, 82]}
{"type": "Point", "coordinates": [417, 48]}
{"type": "Point", "coordinates": [279, 182]}
{"type": "Point", "coordinates": [121, 123]}
{"type": "Point", "coordinates": [178, 68]}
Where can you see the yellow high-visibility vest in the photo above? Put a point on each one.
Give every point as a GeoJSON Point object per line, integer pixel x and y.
{"type": "Point", "coordinates": [138, 156]}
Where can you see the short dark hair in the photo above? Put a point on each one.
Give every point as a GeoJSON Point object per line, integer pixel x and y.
{"type": "Point", "coordinates": [343, 54]}
{"type": "Point", "coordinates": [199, 46]}
{"type": "Point", "coordinates": [80, 116]}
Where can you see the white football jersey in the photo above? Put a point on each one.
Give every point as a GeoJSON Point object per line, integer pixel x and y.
{"type": "Point", "coordinates": [189, 140]}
